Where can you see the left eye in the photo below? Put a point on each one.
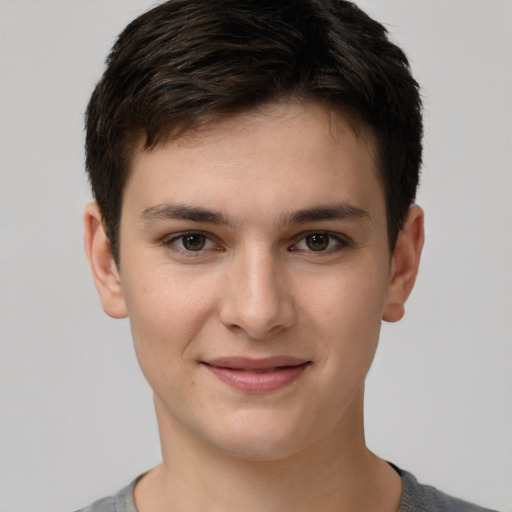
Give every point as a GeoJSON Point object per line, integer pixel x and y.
{"type": "Point", "coordinates": [318, 242]}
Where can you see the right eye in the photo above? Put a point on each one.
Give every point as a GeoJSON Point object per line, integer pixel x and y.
{"type": "Point", "coordinates": [190, 242]}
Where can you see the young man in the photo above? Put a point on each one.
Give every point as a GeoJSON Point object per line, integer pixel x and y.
{"type": "Point", "coordinates": [254, 166]}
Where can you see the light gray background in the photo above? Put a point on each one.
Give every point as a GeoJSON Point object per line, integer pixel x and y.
{"type": "Point", "coordinates": [76, 418]}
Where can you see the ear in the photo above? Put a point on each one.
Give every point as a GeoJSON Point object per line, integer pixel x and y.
{"type": "Point", "coordinates": [103, 266]}
{"type": "Point", "coordinates": [404, 264]}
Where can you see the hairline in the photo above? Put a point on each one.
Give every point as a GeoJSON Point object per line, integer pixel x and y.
{"type": "Point", "coordinates": [174, 131]}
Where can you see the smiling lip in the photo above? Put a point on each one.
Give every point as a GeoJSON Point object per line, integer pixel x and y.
{"type": "Point", "coordinates": [257, 375]}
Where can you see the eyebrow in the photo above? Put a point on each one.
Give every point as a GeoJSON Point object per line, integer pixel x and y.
{"type": "Point", "coordinates": [171, 211]}
{"type": "Point", "coordinates": [336, 211]}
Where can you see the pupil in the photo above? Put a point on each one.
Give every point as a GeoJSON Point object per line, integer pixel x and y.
{"type": "Point", "coordinates": [317, 242]}
{"type": "Point", "coordinates": [194, 242]}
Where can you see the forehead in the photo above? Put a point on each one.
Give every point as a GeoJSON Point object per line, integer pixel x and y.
{"type": "Point", "coordinates": [289, 152]}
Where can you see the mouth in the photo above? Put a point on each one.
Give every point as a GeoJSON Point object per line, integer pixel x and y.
{"type": "Point", "coordinates": [257, 375]}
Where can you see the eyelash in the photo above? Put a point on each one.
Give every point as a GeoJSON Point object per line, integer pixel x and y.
{"type": "Point", "coordinates": [172, 242]}
{"type": "Point", "coordinates": [338, 241]}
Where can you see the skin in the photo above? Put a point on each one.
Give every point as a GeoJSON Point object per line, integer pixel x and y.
{"type": "Point", "coordinates": [266, 277]}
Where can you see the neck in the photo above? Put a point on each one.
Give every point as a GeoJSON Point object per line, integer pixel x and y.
{"type": "Point", "coordinates": [337, 473]}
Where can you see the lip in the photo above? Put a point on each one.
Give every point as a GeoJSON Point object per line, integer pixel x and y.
{"type": "Point", "coordinates": [257, 375]}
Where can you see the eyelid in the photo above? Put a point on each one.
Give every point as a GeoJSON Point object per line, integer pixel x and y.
{"type": "Point", "coordinates": [341, 241]}
{"type": "Point", "coordinates": [169, 241]}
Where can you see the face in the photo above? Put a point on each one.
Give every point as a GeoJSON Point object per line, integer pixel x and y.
{"type": "Point", "coordinates": [255, 270]}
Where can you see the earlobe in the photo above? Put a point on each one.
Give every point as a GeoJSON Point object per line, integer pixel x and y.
{"type": "Point", "coordinates": [404, 265]}
{"type": "Point", "coordinates": [101, 261]}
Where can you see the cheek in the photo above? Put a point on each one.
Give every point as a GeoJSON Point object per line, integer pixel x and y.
{"type": "Point", "coordinates": [346, 312]}
{"type": "Point", "coordinates": [166, 312]}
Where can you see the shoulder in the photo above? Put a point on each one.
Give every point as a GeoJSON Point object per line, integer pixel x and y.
{"type": "Point", "coordinates": [425, 498]}
{"type": "Point", "coordinates": [121, 502]}
{"type": "Point", "coordinates": [102, 505]}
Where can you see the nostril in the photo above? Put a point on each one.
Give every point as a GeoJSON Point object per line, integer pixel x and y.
{"type": "Point", "coordinates": [257, 323]}
{"type": "Point", "coordinates": [256, 300]}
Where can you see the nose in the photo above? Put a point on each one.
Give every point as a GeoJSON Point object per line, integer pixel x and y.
{"type": "Point", "coordinates": [257, 298]}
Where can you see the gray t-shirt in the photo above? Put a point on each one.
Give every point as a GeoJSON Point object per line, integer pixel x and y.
{"type": "Point", "coordinates": [415, 498]}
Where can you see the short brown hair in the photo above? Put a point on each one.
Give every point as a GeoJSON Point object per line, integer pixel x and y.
{"type": "Point", "coordinates": [187, 62]}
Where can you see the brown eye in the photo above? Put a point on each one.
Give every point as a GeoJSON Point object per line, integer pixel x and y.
{"type": "Point", "coordinates": [190, 242]}
{"type": "Point", "coordinates": [320, 242]}
{"type": "Point", "coordinates": [317, 241]}
{"type": "Point", "coordinates": [193, 242]}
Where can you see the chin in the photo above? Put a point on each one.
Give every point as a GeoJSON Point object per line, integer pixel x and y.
{"type": "Point", "coordinates": [261, 438]}
{"type": "Point", "coordinates": [260, 450]}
